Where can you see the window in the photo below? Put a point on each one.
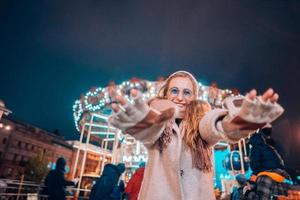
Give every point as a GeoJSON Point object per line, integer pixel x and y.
{"type": "Point", "coordinates": [19, 144]}
{"type": "Point", "coordinates": [0, 154]}
{"type": "Point", "coordinates": [4, 140]}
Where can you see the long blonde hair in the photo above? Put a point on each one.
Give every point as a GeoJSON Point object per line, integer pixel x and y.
{"type": "Point", "coordinates": [201, 152]}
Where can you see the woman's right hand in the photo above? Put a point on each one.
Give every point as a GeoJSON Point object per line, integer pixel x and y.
{"type": "Point", "coordinates": [131, 117]}
{"type": "Point", "coordinates": [122, 101]}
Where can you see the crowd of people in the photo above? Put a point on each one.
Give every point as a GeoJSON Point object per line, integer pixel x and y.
{"type": "Point", "coordinates": [178, 131]}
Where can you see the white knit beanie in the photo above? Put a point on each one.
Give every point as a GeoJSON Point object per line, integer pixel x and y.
{"type": "Point", "coordinates": [184, 72]}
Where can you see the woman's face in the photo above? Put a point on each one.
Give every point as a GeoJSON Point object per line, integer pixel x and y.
{"type": "Point", "coordinates": [180, 91]}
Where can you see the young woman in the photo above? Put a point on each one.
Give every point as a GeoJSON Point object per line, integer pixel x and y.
{"type": "Point", "coordinates": [178, 131]}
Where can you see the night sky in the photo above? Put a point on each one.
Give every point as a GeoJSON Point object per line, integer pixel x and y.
{"type": "Point", "coordinates": [51, 51]}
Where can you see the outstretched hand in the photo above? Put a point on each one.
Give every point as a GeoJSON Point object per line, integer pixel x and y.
{"type": "Point", "coordinates": [122, 101]}
{"type": "Point", "coordinates": [137, 115]}
{"type": "Point", "coordinates": [239, 123]}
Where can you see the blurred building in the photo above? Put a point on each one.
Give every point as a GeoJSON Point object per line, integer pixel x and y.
{"type": "Point", "coordinates": [20, 141]}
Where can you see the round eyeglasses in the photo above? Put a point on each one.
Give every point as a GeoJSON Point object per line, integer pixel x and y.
{"type": "Point", "coordinates": [186, 93]}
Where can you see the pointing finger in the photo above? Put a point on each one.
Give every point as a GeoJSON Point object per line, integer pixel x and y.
{"type": "Point", "coordinates": [121, 100]}
{"type": "Point", "coordinates": [133, 92]}
{"type": "Point", "coordinates": [268, 94]}
{"type": "Point", "coordinates": [252, 94]}
{"type": "Point", "coordinates": [274, 98]}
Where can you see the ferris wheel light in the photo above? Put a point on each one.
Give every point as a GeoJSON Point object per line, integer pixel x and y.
{"type": "Point", "coordinates": [7, 127]}
{"type": "Point", "coordinates": [98, 101]}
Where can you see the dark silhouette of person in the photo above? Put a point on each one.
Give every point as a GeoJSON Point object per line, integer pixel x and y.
{"type": "Point", "coordinates": [56, 182]}
{"type": "Point", "coordinates": [267, 166]}
{"type": "Point", "coordinates": [118, 191]}
{"type": "Point", "coordinates": [105, 186]}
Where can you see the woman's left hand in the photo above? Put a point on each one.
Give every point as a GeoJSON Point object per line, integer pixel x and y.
{"type": "Point", "coordinates": [253, 111]}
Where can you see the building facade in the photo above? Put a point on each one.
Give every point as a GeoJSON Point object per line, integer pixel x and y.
{"type": "Point", "coordinates": [20, 141]}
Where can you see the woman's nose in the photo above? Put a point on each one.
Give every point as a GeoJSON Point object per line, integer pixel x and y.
{"type": "Point", "coordinates": [179, 97]}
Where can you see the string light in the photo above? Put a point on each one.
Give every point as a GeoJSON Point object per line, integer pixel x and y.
{"type": "Point", "coordinates": [98, 100]}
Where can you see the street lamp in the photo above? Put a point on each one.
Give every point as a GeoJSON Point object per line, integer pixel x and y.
{"type": "Point", "coordinates": [3, 110]}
